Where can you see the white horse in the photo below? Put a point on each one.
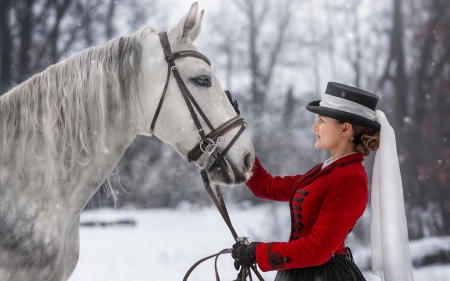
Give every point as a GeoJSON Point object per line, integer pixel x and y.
{"type": "Point", "coordinates": [63, 130]}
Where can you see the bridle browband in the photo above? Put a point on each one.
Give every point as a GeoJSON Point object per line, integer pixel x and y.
{"type": "Point", "coordinates": [210, 141]}
{"type": "Point", "coordinates": [208, 144]}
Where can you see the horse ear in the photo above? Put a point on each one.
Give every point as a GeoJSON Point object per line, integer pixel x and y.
{"type": "Point", "coordinates": [198, 25]}
{"type": "Point", "coordinates": [190, 21]}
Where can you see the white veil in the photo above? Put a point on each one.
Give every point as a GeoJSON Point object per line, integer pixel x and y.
{"type": "Point", "coordinates": [388, 230]}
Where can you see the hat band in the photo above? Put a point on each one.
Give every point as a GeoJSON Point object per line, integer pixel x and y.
{"type": "Point", "coordinates": [347, 106]}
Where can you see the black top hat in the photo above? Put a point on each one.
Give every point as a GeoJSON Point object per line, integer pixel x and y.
{"type": "Point", "coordinates": [353, 102]}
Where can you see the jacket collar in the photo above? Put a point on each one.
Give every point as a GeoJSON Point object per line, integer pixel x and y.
{"type": "Point", "coordinates": [317, 171]}
{"type": "Point", "coordinates": [349, 158]}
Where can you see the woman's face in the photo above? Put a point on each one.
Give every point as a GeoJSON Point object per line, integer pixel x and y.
{"type": "Point", "coordinates": [328, 133]}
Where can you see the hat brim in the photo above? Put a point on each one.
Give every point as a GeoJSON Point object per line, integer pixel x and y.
{"type": "Point", "coordinates": [342, 116]}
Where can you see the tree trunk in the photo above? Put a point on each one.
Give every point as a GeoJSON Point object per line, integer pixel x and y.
{"type": "Point", "coordinates": [5, 47]}
{"type": "Point", "coordinates": [289, 110]}
{"type": "Point", "coordinates": [61, 9]}
{"type": "Point", "coordinates": [109, 20]}
{"type": "Point", "coordinates": [398, 53]}
{"type": "Point", "coordinates": [425, 179]}
{"type": "Point", "coordinates": [24, 12]}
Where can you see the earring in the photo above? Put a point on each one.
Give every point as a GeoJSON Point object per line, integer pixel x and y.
{"type": "Point", "coordinates": [341, 135]}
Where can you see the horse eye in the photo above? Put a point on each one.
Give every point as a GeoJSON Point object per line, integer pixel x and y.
{"type": "Point", "coordinates": [202, 81]}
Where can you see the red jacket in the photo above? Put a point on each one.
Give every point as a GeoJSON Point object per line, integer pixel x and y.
{"type": "Point", "coordinates": [324, 204]}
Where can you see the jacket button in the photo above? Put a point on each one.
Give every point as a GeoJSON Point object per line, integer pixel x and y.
{"type": "Point", "coordinates": [287, 259]}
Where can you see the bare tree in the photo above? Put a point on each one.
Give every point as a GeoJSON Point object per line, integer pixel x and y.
{"type": "Point", "coordinates": [420, 108]}
{"type": "Point", "coordinates": [431, 112]}
{"type": "Point", "coordinates": [110, 30]}
{"type": "Point", "coordinates": [5, 46]}
{"type": "Point", "coordinates": [289, 109]}
{"type": "Point", "coordinates": [356, 58]}
{"type": "Point", "coordinates": [264, 50]}
{"type": "Point", "coordinates": [395, 66]}
{"type": "Point", "coordinates": [37, 33]}
{"type": "Point", "coordinates": [330, 43]}
{"type": "Point", "coordinates": [314, 44]}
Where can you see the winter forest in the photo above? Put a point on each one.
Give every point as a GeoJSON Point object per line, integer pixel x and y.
{"type": "Point", "coordinates": [274, 57]}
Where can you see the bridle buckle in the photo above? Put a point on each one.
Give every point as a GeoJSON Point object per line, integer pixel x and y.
{"type": "Point", "coordinates": [211, 146]}
{"type": "Point", "coordinates": [208, 142]}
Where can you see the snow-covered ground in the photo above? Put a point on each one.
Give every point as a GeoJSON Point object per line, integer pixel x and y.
{"type": "Point", "coordinates": [164, 243]}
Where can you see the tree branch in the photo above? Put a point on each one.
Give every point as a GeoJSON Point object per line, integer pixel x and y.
{"type": "Point", "coordinates": [274, 54]}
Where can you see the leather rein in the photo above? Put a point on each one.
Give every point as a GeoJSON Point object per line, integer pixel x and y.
{"type": "Point", "coordinates": [207, 145]}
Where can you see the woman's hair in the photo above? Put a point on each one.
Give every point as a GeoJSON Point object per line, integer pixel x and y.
{"type": "Point", "coordinates": [366, 140]}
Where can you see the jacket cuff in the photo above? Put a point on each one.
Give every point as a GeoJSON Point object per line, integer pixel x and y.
{"type": "Point", "coordinates": [256, 167]}
{"type": "Point", "coordinates": [268, 259]}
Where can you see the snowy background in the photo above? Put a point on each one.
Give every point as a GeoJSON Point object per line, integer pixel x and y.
{"type": "Point", "coordinates": [165, 243]}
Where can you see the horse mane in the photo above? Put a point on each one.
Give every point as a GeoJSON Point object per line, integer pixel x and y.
{"type": "Point", "coordinates": [65, 112]}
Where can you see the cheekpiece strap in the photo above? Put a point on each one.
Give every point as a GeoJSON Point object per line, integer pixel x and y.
{"type": "Point", "coordinates": [165, 43]}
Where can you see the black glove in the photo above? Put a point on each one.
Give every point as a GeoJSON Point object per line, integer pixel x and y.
{"type": "Point", "coordinates": [244, 254]}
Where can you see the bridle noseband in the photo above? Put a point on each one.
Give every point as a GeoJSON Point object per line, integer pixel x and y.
{"type": "Point", "coordinates": [211, 141]}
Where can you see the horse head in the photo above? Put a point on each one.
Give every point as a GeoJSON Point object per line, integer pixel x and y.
{"type": "Point", "coordinates": [175, 124]}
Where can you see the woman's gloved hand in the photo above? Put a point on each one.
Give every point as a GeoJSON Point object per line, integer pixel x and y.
{"type": "Point", "coordinates": [244, 254]}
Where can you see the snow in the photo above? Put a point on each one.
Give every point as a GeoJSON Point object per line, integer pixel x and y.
{"type": "Point", "coordinates": [419, 249]}
{"type": "Point", "coordinates": [165, 243]}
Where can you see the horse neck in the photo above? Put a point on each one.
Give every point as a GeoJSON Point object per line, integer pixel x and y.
{"type": "Point", "coordinates": [94, 174]}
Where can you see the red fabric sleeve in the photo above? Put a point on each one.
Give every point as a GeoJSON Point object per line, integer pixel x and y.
{"type": "Point", "coordinates": [343, 205]}
{"type": "Point", "coordinates": [266, 186]}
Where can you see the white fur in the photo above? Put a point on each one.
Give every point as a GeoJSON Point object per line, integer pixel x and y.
{"type": "Point", "coordinates": [63, 130]}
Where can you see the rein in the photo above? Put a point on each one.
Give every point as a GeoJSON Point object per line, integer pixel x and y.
{"type": "Point", "coordinates": [220, 204]}
{"type": "Point", "coordinates": [207, 145]}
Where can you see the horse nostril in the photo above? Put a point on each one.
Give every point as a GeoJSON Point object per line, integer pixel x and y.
{"type": "Point", "coordinates": [247, 161]}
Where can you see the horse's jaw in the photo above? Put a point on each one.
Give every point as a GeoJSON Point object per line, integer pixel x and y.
{"type": "Point", "coordinates": [229, 173]}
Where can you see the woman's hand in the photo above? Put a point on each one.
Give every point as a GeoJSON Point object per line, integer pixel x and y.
{"type": "Point", "coordinates": [244, 254]}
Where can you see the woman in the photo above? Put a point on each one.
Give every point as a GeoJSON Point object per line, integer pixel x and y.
{"type": "Point", "coordinates": [327, 201]}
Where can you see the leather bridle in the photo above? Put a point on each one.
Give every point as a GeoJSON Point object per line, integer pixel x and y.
{"type": "Point", "coordinates": [208, 144]}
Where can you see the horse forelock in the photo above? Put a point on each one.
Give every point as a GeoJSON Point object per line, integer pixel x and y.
{"type": "Point", "coordinates": [61, 116]}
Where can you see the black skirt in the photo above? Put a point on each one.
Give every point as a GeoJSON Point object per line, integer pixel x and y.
{"type": "Point", "coordinates": [338, 268]}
